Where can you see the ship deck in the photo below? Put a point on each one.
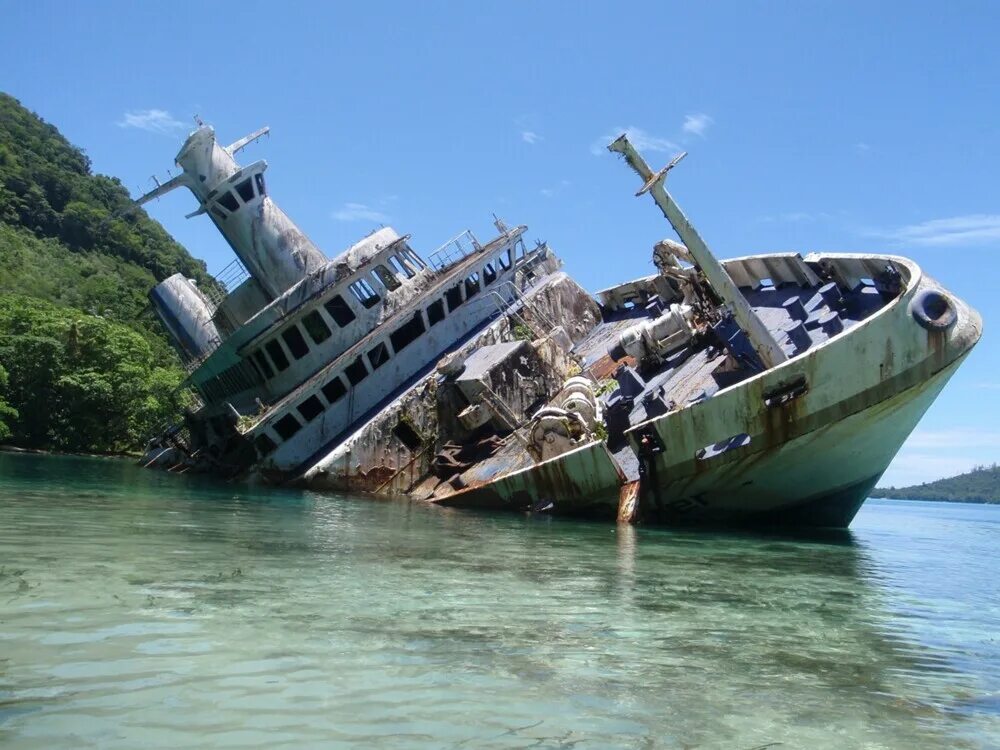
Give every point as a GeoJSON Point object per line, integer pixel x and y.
{"type": "Point", "coordinates": [690, 375]}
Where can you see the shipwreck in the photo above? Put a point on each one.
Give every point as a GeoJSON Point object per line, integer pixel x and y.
{"type": "Point", "coordinates": [772, 389]}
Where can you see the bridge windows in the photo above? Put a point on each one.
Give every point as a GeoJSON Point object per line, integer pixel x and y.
{"type": "Point", "coordinates": [259, 179]}
{"type": "Point", "coordinates": [228, 201]}
{"type": "Point", "coordinates": [489, 273]}
{"type": "Point", "coordinates": [339, 310]}
{"type": "Point", "coordinates": [506, 259]}
{"type": "Point", "coordinates": [407, 254]}
{"type": "Point", "coordinates": [318, 330]}
{"type": "Point", "coordinates": [401, 266]}
{"type": "Point", "coordinates": [364, 293]}
{"type": "Point", "coordinates": [245, 189]}
{"type": "Point", "coordinates": [387, 277]}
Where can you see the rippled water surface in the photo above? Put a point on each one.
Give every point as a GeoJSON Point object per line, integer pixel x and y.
{"type": "Point", "coordinates": [143, 610]}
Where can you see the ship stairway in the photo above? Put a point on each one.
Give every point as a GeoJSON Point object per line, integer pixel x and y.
{"type": "Point", "coordinates": [518, 301]}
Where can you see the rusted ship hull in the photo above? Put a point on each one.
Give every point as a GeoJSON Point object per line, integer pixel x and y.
{"type": "Point", "coordinates": [817, 480]}
{"type": "Point", "coordinates": [808, 459]}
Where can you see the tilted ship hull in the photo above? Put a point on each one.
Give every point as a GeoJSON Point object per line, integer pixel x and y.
{"type": "Point", "coordinates": [768, 390]}
{"type": "Point", "coordinates": [812, 436]}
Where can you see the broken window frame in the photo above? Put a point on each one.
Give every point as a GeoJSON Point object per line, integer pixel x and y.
{"type": "Point", "coordinates": [334, 390]}
{"type": "Point", "coordinates": [264, 444]}
{"type": "Point", "coordinates": [407, 333]}
{"type": "Point", "coordinates": [407, 253]}
{"type": "Point", "coordinates": [387, 277]}
{"type": "Point", "coordinates": [263, 365]}
{"type": "Point", "coordinates": [340, 311]}
{"type": "Point", "coordinates": [490, 273]}
{"type": "Point", "coordinates": [356, 372]}
{"type": "Point", "coordinates": [228, 201]}
{"type": "Point", "coordinates": [401, 266]}
{"type": "Point", "coordinates": [295, 341]}
{"type": "Point", "coordinates": [435, 312]}
{"type": "Point", "coordinates": [311, 408]}
{"type": "Point", "coordinates": [316, 327]}
{"type": "Point", "coordinates": [473, 285]}
{"type": "Point", "coordinates": [277, 355]}
{"type": "Point", "coordinates": [378, 355]}
{"type": "Point", "coordinates": [284, 425]}
{"type": "Point", "coordinates": [364, 292]}
{"type": "Point", "coordinates": [245, 190]}
{"type": "Point", "coordinates": [454, 297]}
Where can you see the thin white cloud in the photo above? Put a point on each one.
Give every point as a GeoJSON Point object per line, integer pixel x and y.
{"type": "Point", "coordinates": [151, 120]}
{"type": "Point", "coordinates": [359, 212]}
{"type": "Point", "coordinates": [957, 230]}
{"type": "Point", "coordinates": [530, 136]}
{"type": "Point", "coordinates": [697, 124]}
{"type": "Point", "coordinates": [642, 141]}
{"type": "Point", "coordinates": [988, 386]}
{"type": "Point", "coordinates": [861, 147]}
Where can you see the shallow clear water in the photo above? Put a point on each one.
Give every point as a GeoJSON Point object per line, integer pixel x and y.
{"type": "Point", "coordinates": [140, 609]}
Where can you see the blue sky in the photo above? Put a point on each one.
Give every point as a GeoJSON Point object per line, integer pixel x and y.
{"type": "Point", "coordinates": [850, 126]}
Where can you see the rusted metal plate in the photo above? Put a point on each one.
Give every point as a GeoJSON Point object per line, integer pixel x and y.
{"type": "Point", "coordinates": [584, 481]}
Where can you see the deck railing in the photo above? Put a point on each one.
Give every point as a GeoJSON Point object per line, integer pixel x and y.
{"type": "Point", "coordinates": [454, 250]}
{"type": "Point", "coordinates": [227, 280]}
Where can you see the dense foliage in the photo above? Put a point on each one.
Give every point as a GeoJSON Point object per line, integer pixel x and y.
{"type": "Point", "coordinates": [80, 382]}
{"type": "Point", "coordinates": [981, 485]}
{"type": "Point", "coordinates": [84, 364]}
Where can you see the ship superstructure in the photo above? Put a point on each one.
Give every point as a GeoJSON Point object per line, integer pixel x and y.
{"type": "Point", "coordinates": [293, 349]}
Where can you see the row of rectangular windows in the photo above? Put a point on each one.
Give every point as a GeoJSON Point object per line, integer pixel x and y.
{"type": "Point", "coordinates": [378, 355]}
{"type": "Point", "coordinates": [245, 190]}
{"type": "Point", "coordinates": [339, 311]}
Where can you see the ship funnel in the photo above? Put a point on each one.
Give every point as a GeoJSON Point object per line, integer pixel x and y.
{"type": "Point", "coordinates": [272, 248]}
{"type": "Point", "coordinates": [187, 314]}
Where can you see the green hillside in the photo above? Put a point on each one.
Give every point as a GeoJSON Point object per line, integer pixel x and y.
{"type": "Point", "coordinates": [981, 485]}
{"type": "Point", "coordinates": [84, 364]}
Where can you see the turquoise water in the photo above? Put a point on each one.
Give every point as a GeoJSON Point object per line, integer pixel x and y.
{"type": "Point", "coordinates": [144, 610]}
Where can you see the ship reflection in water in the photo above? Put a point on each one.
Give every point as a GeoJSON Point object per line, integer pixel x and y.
{"type": "Point", "coordinates": [146, 609]}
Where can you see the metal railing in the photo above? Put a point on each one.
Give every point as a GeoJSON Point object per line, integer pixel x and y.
{"type": "Point", "coordinates": [226, 281]}
{"type": "Point", "coordinates": [458, 247]}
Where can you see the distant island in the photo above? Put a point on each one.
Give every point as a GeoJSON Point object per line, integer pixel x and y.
{"type": "Point", "coordinates": [981, 485]}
